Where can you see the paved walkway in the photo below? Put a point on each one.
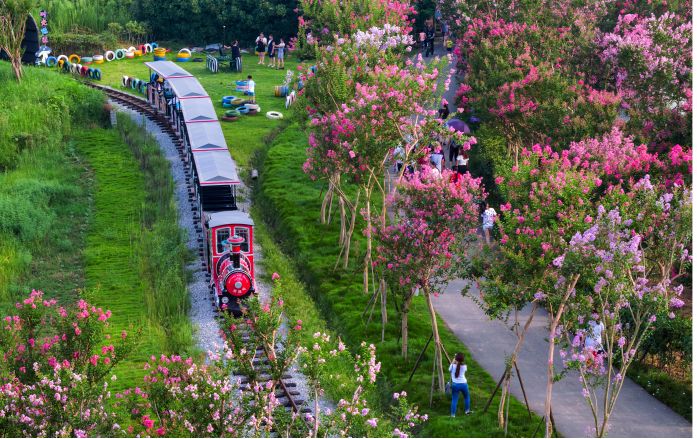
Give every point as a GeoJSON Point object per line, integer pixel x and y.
{"type": "Point", "coordinates": [637, 414]}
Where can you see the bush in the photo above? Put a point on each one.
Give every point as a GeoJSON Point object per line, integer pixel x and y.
{"type": "Point", "coordinates": [82, 43]}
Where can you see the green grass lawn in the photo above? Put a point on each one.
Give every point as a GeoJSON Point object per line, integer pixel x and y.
{"type": "Point", "coordinates": [243, 136]}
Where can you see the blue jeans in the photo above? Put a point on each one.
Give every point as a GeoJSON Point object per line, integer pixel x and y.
{"type": "Point", "coordinates": [457, 388]}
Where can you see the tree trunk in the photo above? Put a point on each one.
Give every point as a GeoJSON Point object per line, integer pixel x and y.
{"type": "Point", "coordinates": [436, 341]}
{"type": "Point", "coordinates": [405, 326]}
{"type": "Point", "coordinates": [550, 356]}
{"type": "Point", "coordinates": [383, 306]}
{"type": "Point", "coordinates": [369, 238]}
{"type": "Point", "coordinates": [17, 67]}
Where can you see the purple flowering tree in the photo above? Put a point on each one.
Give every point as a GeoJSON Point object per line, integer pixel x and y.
{"type": "Point", "coordinates": [620, 273]}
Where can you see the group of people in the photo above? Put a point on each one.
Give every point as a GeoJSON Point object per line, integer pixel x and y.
{"type": "Point", "coordinates": [428, 36]}
{"type": "Point", "coordinates": [274, 49]}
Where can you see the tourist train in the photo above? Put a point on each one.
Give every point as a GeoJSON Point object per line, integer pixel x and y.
{"type": "Point", "coordinates": [228, 231]}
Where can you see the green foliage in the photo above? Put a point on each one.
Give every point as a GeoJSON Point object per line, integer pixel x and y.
{"type": "Point", "coordinates": [82, 43]}
{"type": "Point", "coordinates": [674, 393]}
{"type": "Point", "coordinates": [201, 21]}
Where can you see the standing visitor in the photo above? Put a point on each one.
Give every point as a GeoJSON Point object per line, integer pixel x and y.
{"type": "Point", "coordinates": [437, 158]}
{"type": "Point", "coordinates": [261, 47]}
{"type": "Point", "coordinates": [488, 222]}
{"type": "Point", "coordinates": [453, 150]}
{"type": "Point", "coordinates": [459, 384]}
{"type": "Point", "coordinates": [270, 45]}
{"type": "Point", "coordinates": [594, 336]}
{"type": "Point", "coordinates": [235, 57]}
{"type": "Point", "coordinates": [446, 37]}
{"type": "Point", "coordinates": [398, 157]}
{"type": "Point", "coordinates": [280, 48]}
{"type": "Point", "coordinates": [250, 88]}
{"type": "Point", "coordinates": [461, 161]}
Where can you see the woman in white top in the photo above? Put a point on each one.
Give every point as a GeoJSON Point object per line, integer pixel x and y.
{"type": "Point", "coordinates": [459, 384]}
{"type": "Point", "coordinates": [488, 218]}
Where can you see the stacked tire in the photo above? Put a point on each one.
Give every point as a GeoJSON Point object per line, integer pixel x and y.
{"type": "Point", "coordinates": [184, 55]}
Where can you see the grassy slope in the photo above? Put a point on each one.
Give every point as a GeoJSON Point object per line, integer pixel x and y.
{"type": "Point", "coordinates": [294, 201]}
{"type": "Point", "coordinates": [43, 195]}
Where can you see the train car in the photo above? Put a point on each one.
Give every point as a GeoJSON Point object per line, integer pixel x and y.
{"type": "Point", "coordinates": [228, 231]}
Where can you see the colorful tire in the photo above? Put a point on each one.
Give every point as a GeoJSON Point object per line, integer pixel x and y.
{"type": "Point", "coordinates": [183, 59]}
{"type": "Point", "coordinates": [147, 48]}
{"type": "Point", "coordinates": [141, 48]}
{"type": "Point", "coordinates": [230, 118]}
{"type": "Point", "coordinates": [280, 91]}
{"type": "Point", "coordinates": [138, 52]}
{"type": "Point", "coordinates": [51, 61]}
{"type": "Point", "coordinates": [242, 82]}
{"type": "Point", "coordinates": [232, 113]}
{"type": "Point", "coordinates": [109, 56]}
{"type": "Point", "coordinates": [86, 59]}
{"type": "Point", "coordinates": [84, 70]}
{"type": "Point", "coordinates": [243, 109]}
{"type": "Point", "coordinates": [98, 74]}
{"type": "Point", "coordinates": [131, 49]}
{"type": "Point", "coordinates": [75, 68]}
{"type": "Point", "coordinates": [74, 59]}
{"type": "Point", "coordinates": [120, 53]}
{"type": "Point", "coordinates": [274, 115]}
{"type": "Point", "coordinates": [154, 45]}
{"type": "Point", "coordinates": [229, 98]}
{"type": "Point", "coordinates": [124, 80]}
{"type": "Point", "coordinates": [130, 55]}
{"type": "Point", "coordinates": [253, 107]}
{"type": "Point", "coordinates": [98, 59]}
{"type": "Point", "coordinates": [90, 73]}
{"type": "Point", "coordinates": [66, 66]}
{"type": "Point", "coordinates": [62, 58]}
{"type": "Point", "coordinates": [238, 101]}
{"type": "Point", "coordinates": [159, 58]}
{"type": "Point", "coordinates": [185, 51]}
{"type": "Point", "coordinates": [227, 105]}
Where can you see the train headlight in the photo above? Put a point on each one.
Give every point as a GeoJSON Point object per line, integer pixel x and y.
{"type": "Point", "coordinates": [225, 300]}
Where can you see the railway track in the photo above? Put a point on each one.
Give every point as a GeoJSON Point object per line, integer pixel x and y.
{"type": "Point", "coordinates": [287, 393]}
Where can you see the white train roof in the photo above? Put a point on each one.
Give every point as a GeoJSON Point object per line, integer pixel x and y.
{"type": "Point", "coordinates": [215, 168]}
{"type": "Point", "coordinates": [187, 88]}
{"type": "Point", "coordinates": [168, 69]}
{"type": "Point", "coordinates": [198, 110]}
{"type": "Point", "coordinates": [206, 136]}
{"type": "Point", "coordinates": [229, 217]}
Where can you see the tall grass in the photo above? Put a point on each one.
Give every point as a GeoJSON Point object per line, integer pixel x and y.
{"type": "Point", "coordinates": [42, 195]}
{"type": "Point", "coordinates": [85, 16]}
{"type": "Point", "coordinates": [162, 251]}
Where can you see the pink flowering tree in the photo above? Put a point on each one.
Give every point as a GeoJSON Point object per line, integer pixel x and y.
{"type": "Point", "coordinates": [55, 363]}
{"type": "Point", "coordinates": [622, 272]}
{"type": "Point", "coordinates": [650, 66]}
{"type": "Point", "coordinates": [423, 248]}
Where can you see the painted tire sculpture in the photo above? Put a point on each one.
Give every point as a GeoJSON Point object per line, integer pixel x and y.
{"type": "Point", "coordinates": [86, 59]}
{"type": "Point", "coordinates": [98, 74]}
{"type": "Point", "coordinates": [280, 91]}
{"type": "Point", "coordinates": [238, 101]}
{"type": "Point", "coordinates": [243, 109]}
{"type": "Point", "coordinates": [229, 118]}
{"type": "Point", "coordinates": [61, 59]}
{"type": "Point", "coordinates": [124, 80]}
{"type": "Point", "coordinates": [120, 53]}
{"type": "Point", "coordinates": [274, 115]}
{"type": "Point", "coordinates": [227, 105]}
{"type": "Point", "coordinates": [130, 55]}
{"type": "Point", "coordinates": [185, 51]}
{"type": "Point", "coordinates": [159, 58]}
{"type": "Point", "coordinates": [84, 70]}
{"type": "Point", "coordinates": [109, 56]}
{"type": "Point", "coordinates": [75, 68]}
{"type": "Point", "coordinates": [131, 49]}
{"type": "Point", "coordinates": [253, 107]}
{"type": "Point", "coordinates": [66, 66]}
{"type": "Point", "coordinates": [74, 59]}
{"type": "Point", "coordinates": [147, 48]}
{"type": "Point", "coordinates": [228, 99]}
{"type": "Point", "coordinates": [51, 61]}
{"type": "Point", "coordinates": [98, 59]}
{"type": "Point", "coordinates": [154, 46]}
{"type": "Point", "coordinates": [232, 113]}
{"type": "Point", "coordinates": [138, 52]}
{"type": "Point", "coordinates": [90, 73]}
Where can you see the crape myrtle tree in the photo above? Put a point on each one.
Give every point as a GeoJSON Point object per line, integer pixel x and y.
{"type": "Point", "coordinates": [13, 20]}
{"type": "Point", "coordinates": [623, 271]}
{"type": "Point", "coordinates": [423, 248]}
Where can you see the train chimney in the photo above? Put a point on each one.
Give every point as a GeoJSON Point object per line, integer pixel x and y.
{"type": "Point", "coordinates": [235, 250]}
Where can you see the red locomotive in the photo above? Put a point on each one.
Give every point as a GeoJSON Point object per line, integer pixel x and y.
{"type": "Point", "coordinates": [229, 232]}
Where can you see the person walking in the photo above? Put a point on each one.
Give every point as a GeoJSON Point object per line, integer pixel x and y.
{"type": "Point", "coordinates": [280, 56]}
{"type": "Point", "coordinates": [459, 384]}
{"type": "Point", "coordinates": [453, 150]}
{"type": "Point", "coordinates": [270, 51]}
{"type": "Point", "coordinates": [488, 218]}
{"type": "Point", "coordinates": [437, 158]}
{"type": "Point", "coordinates": [430, 39]}
{"type": "Point", "coordinates": [235, 57]}
{"type": "Point", "coordinates": [462, 160]}
{"type": "Point", "coordinates": [261, 47]}
{"type": "Point", "coordinates": [444, 111]}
